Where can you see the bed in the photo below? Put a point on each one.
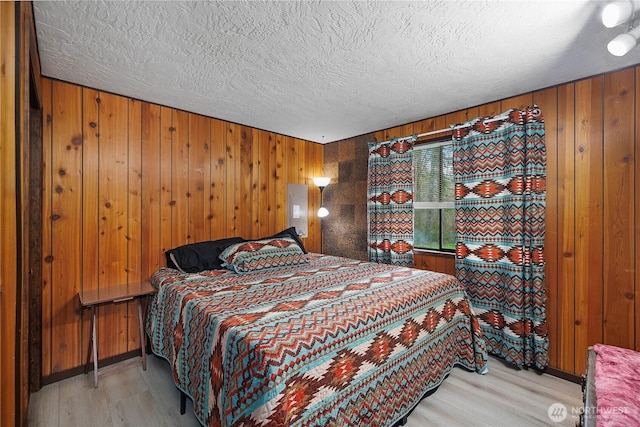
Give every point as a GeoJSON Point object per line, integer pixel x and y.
{"type": "Point", "coordinates": [328, 342]}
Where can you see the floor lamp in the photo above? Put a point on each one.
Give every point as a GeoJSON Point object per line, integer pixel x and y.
{"type": "Point", "coordinates": [321, 182]}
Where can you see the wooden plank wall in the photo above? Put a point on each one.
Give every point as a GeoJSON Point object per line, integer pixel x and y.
{"type": "Point", "coordinates": [593, 210]}
{"type": "Point", "coordinates": [18, 54]}
{"type": "Point", "coordinates": [126, 180]}
{"type": "Point", "coordinates": [8, 216]}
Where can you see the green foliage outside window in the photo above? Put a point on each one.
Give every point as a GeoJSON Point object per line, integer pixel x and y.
{"type": "Point", "coordinates": [434, 214]}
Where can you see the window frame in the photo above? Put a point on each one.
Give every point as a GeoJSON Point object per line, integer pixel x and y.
{"type": "Point", "coordinates": [439, 206]}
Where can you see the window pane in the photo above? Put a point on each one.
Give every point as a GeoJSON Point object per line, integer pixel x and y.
{"type": "Point", "coordinates": [434, 226]}
{"type": "Point", "coordinates": [448, 229]}
{"type": "Point", "coordinates": [426, 229]}
{"type": "Point", "coordinates": [447, 194]}
{"type": "Point", "coordinates": [427, 175]}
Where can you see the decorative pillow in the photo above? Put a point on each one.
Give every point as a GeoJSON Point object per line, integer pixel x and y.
{"type": "Point", "coordinates": [291, 233]}
{"type": "Point", "coordinates": [197, 257]}
{"type": "Point", "coordinates": [263, 254]}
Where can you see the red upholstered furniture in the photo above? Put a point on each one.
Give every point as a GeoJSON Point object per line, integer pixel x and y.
{"type": "Point", "coordinates": [612, 387]}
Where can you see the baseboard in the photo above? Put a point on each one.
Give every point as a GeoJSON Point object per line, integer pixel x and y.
{"type": "Point", "coordinates": [548, 370]}
{"type": "Point", "coordinates": [562, 374]}
{"type": "Point", "coordinates": [62, 375]}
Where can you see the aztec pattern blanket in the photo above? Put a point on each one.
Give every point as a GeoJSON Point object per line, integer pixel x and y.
{"type": "Point", "coordinates": [335, 342]}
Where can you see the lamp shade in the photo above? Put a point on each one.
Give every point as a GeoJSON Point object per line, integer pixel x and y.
{"type": "Point", "coordinates": [322, 212]}
{"type": "Point", "coordinates": [617, 13]}
{"type": "Point", "coordinates": [321, 181]}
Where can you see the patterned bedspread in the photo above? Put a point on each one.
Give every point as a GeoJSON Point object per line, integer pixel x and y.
{"type": "Point", "coordinates": [335, 342]}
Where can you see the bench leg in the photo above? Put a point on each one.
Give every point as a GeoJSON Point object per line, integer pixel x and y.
{"type": "Point", "coordinates": [90, 347]}
{"type": "Point", "coordinates": [95, 346]}
{"type": "Point", "coordinates": [142, 338]}
{"type": "Point", "coordinates": [183, 402]}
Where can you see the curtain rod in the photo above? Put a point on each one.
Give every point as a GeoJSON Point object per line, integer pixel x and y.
{"type": "Point", "coordinates": [493, 119]}
{"type": "Point", "coordinates": [450, 128]}
{"type": "Point", "coordinates": [420, 135]}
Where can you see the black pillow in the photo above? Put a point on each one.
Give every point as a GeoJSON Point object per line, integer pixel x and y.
{"type": "Point", "coordinates": [289, 232]}
{"type": "Point", "coordinates": [196, 257]}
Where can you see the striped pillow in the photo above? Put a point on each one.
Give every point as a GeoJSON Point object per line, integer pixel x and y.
{"type": "Point", "coordinates": [263, 254]}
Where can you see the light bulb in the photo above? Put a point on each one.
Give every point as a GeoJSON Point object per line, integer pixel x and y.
{"type": "Point", "coordinates": [622, 44]}
{"type": "Point", "coordinates": [322, 212]}
{"type": "Point", "coordinates": [617, 13]}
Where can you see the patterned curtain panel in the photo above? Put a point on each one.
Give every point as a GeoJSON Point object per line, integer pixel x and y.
{"type": "Point", "coordinates": [390, 202]}
{"type": "Point", "coordinates": [500, 173]}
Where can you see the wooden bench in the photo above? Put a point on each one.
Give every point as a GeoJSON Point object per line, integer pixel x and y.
{"type": "Point", "coordinates": [110, 295]}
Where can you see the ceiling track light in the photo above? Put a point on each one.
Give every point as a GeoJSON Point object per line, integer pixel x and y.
{"type": "Point", "coordinates": [620, 12]}
{"type": "Point", "coordinates": [622, 44]}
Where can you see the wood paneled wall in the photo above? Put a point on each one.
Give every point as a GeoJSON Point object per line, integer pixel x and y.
{"type": "Point", "coordinates": [442, 263]}
{"type": "Point", "coordinates": [8, 217]}
{"type": "Point", "coordinates": [126, 180]}
{"type": "Point", "coordinates": [18, 63]}
{"type": "Point", "coordinates": [593, 209]}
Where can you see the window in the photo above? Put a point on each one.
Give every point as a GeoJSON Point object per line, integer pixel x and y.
{"type": "Point", "coordinates": [433, 205]}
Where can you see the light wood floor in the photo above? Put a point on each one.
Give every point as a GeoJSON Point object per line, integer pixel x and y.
{"type": "Point", "coordinates": [130, 396]}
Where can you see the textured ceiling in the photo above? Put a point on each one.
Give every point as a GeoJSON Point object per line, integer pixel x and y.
{"type": "Point", "coordinates": [327, 70]}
